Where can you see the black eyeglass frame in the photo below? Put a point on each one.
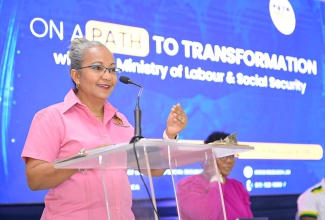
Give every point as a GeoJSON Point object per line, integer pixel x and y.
{"type": "Point", "coordinates": [224, 159]}
{"type": "Point", "coordinates": [109, 69]}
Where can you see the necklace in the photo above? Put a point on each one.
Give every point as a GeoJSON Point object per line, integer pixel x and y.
{"type": "Point", "coordinates": [98, 116]}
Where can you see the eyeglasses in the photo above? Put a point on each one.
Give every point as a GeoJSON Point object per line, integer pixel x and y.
{"type": "Point", "coordinates": [100, 69]}
{"type": "Point", "coordinates": [224, 159]}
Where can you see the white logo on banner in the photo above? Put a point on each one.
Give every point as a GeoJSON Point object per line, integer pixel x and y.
{"type": "Point", "coordinates": [283, 16]}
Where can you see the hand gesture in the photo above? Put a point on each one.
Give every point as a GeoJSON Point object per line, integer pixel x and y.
{"type": "Point", "coordinates": [176, 122]}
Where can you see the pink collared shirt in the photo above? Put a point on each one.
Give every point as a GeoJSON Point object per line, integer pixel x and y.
{"type": "Point", "coordinates": [200, 199]}
{"type": "Point", "coordinates": [61, 130]}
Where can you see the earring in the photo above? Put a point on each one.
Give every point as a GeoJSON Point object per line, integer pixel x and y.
{"type": "Point", "coordinates": [77, 86]}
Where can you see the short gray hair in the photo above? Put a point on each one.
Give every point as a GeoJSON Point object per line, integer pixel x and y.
{"type": "Point", "coordinates": [77, 51]}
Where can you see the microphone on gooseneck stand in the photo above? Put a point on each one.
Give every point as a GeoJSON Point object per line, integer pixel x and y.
{"type": "Point", "coordinates": [137, 110]}
{"type": "Point", "coordinates": [137, 133]}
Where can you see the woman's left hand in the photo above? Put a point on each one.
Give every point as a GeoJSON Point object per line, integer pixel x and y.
{"type": "Point", "coordinates": [176, 122]}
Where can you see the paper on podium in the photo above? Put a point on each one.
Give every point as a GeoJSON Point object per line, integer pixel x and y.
{"type": "Point", "coordinates": [160, 154]}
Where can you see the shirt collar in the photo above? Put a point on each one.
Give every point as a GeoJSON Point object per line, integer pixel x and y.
{"type": "Point", "coordinates": [72, 99]}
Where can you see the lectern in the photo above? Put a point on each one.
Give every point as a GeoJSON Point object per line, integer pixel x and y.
{"type": "Point", "coordinates": [148, 154]}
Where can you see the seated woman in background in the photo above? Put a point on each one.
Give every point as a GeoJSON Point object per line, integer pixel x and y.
{"type": "Point", "coordinates": [199, 195]}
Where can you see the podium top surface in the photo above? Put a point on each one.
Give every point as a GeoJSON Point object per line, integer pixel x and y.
{"type": "Point", "coordinates": [150, 152]}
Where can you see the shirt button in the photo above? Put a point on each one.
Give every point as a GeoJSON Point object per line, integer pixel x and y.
{"type": "Point", "coordinates": [105, 135]}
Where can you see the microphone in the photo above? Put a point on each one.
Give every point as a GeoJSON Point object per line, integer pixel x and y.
{"type": "Point", "coordinates": [126, 80]}
{"type": "Point", "coordinates": [137, 110]}
{"type": "Point", "coordinates": [137, 132]}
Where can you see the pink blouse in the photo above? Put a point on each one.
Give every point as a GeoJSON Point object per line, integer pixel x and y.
{"type": "Point", "coordinates": [200, 199]}
{"type": "Point", "coordinates": [61, 130]}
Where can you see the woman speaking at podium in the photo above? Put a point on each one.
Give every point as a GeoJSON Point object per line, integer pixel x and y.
{"type": "Point", "coordinates": [84, 120]}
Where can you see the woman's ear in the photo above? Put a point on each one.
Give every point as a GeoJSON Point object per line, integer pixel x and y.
{"type": "Point", "coordinates": [75, 75]}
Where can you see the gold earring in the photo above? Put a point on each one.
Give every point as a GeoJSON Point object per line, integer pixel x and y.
{"type": "Point", "coordinates": [77, 86]}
